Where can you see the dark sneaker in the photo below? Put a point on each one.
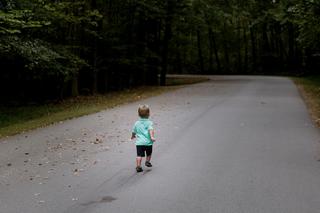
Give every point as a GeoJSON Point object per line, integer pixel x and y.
{"type": "Point", "coordinates": [139, 169]}
{"type": "Point", "coordinates": [148, 164]}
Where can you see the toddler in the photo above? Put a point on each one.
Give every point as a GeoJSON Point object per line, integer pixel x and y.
{"type": "Point", "coordinates": [144, 134]}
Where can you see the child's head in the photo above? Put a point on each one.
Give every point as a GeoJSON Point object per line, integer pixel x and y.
{"type": "Point", "coordinates": [144, 111]}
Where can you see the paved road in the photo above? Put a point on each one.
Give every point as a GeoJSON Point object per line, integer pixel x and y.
{"type": "Point", "coordinates": [231, 145]}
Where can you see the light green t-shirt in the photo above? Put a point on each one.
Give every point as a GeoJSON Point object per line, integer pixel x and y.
{"type": "Point", "coordinates": [141, 128]}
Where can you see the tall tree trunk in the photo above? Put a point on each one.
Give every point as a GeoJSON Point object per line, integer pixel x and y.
{"type": "Point", "coordinates": [266, 45]}
{"type": "Point", "coordinates": [253, 49]}
{"type": "Point", "coordinates": [210, 50]}
{"type": "Point", "coordinates": [166, 40]}
{"type": "Point", "coordinates": [95, 55]}
{"type": "Point", "coordinates": [164, 62]}
{"type": "Point", "coordinates": [74, 86]}
{"type": "Point", "coordinates": [226, 49]}
{"type": "Point", "coordinates": [215, 49]}
{"type": "Point", "coordinates": [179, 62]}
{"type": "Point", "coordinates": [200, 52]}
{"type": "Point", "coordinates": [245, 42]}
{"type": "Point", "coordinates": [95, 69]}
{"type": "Point", "coordinates": [280, 44]}
{"type": "Point", "coordinates": [239, 48]}
{"type": "Point", "coordinates": [291, 54]}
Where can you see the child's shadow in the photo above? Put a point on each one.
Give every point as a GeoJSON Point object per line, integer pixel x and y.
{"type": "Point", "coordinates": [146, 171]}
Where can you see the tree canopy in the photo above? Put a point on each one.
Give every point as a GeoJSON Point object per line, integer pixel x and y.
{"type": "Point", "coordinates": [55, 49]}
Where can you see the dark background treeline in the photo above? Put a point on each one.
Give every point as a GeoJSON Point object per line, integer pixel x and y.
{"type": "Point", "coordinates": [52, 49]}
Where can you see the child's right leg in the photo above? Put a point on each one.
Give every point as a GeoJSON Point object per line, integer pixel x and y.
{"type": "Point", "coordinates": [140, 154]}
{"type": "Point", "coordinates": [138, 162]}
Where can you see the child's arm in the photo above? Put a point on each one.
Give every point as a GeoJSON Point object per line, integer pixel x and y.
{"type": "Point", "coordinates": [151, 131]}
{"type": "Point", "coordinates": [133, 136]}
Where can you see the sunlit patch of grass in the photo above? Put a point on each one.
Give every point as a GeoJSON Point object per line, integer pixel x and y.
{"type": "Point", "coordinates": [310, 90]}
{"type": "Point", "coordinates": [14, 120]}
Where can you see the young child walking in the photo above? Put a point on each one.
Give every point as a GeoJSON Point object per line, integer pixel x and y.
{"type": "Point", "coordinates": [143, 132]}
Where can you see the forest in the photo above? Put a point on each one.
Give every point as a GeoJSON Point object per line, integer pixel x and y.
{"type": "Point", "coordinates": [54, 49]}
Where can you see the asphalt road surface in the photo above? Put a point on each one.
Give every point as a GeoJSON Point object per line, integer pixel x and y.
{"type": "Point", "coordinates": [231, 145]}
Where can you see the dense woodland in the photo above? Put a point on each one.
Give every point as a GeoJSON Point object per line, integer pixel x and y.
{"type": "Point", "coordinates": [53, 49]}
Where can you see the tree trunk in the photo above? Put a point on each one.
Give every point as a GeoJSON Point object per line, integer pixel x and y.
{"type": "Point", "coordinates": [216, 53]}
{"type": "Point", "coordinates": [95, 54]}
{"type": "Point", "coordinates": [291, 58]}
{"type": "Point", "coordinates": [245, 42]}
{"type": "Point", "coordinates": [200, 52]}
{"type": "Point", "coordinates": [179, 62]}
{"type": "Point", "coordinates": [166, 40]}
{"type": "Point", "coordinates": [215, 49]}
{"type": "Point", "coordinates": [253, 49]}
{"type": "Point", "coordinates": [210, 50]}
{"type": "Point", "coordinates": [74, 87]}
{"type": "Point", "coordinates": [239, 48]}
{"type": "Point", "coordinates": [266, 45]}
{"type": "Point", "coordinates": [226, 49]}
{"type": "Point", "coordinates": [94, 69]}
{"type": "Point", "coordinates": [164, 62]}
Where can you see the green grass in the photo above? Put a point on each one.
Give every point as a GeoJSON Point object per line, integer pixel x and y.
{"type": "Point", "coordinates": [14, 120]}
{"type": "Point", "coordinates": [310, 90]}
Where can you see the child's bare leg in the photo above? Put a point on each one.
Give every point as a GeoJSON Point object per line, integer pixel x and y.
{"type": "Point", "coordinates": [148, 164]}
{"type": "Point", "coordinates": [138, 161]}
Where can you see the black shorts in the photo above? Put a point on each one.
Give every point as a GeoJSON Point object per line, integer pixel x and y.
{"type": "Point", "coordinates": [142, 149]}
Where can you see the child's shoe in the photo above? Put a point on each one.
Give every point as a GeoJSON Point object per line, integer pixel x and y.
{"type": "Point", "coordinates": [139, 169]}
{"type": "Point", "coordinates": [148, 164]}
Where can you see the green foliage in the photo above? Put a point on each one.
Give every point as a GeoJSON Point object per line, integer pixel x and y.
{"type": "Point", "coordinates": [102, 45]}
{"type": "Point", "coordinates": [39, 58]}
{"type": "Point", "coordinates": [33, 35]}
{"type": "Point", "coordinates": [307, 16]}
{"type": "Point", "coordinates": [14, 21]}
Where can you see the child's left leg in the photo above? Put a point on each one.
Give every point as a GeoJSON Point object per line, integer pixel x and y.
{"type": "Point", "coordinates": [138, 161]}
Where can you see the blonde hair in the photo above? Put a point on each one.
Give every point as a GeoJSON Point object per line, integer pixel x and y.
{"type": "Point", "coordinates": [144, 111]}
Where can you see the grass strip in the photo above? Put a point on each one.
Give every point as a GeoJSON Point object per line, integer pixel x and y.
{"type": "Point", "coordinates": [14, 120]}
{"type": "Point", "coordinates": [309, 88]}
